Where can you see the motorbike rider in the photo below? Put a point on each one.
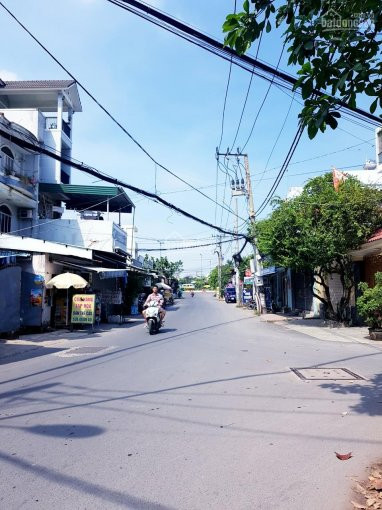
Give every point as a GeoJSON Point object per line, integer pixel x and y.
{"type": "Point", "coordinates": [158, 298]}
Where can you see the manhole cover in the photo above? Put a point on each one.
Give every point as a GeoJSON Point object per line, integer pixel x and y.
{"type": "Point", "coordinates": [82, 351]}
{"type": "Point", "coordinates": [326, 374]}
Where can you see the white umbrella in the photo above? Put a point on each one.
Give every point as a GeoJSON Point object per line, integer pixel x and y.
{"type": "Point", "coordinates": [67, 280]}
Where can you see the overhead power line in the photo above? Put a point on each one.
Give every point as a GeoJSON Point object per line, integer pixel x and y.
{"type": "Point", "coordinates": [284, 168]}
{"type": "Point", "coordinates": [105, 110]}
{"type": "Point", "coordinates": [246, 62]}
{"type": "Point", "coordinates": [97, 173]}
{"type": "Point", "coordinates": [184, 247]}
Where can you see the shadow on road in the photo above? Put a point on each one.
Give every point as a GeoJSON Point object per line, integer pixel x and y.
{"type": "Point", "coordinates": [122, 499]}
{"type": "Point", "coordinates": [11, 353]}
{"type": "Point", "coordinates": [370, 395]}
{"type": "Point", "coordinates": [65, 430]}
{"type": "Point", "coordinates": [112, 355]}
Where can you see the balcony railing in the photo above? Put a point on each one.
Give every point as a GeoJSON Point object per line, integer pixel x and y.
{"type": "Point", "coordinates": [51, 123]}
{"type": "Point", "coordinates": [8, 164]}
{"type": "Point", "coordinates": [14, 175]}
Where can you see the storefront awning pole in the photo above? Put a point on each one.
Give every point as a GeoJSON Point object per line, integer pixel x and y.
{"type": "Point", "coordinates": [132, 235]}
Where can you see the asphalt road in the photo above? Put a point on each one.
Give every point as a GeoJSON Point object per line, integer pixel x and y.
{"type": "Point", "coordinates": [205, 415]}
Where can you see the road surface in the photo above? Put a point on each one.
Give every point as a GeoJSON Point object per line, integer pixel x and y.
{"type": "Point", "coordinates": [205, 415]}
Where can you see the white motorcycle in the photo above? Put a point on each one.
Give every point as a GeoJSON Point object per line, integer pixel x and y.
{"type": "Point", "coordinates": [153, 317]}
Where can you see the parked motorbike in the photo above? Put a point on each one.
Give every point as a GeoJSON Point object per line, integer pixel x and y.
{"type": "Point", "coordinates": [153, 317]}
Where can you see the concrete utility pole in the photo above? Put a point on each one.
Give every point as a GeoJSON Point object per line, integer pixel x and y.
{"type": "Point", "coordinates": [260, 298]}
{"type": "Point", "coordinates": [241, 189]}
{"type": "Point", "coordinates": [219, 254]}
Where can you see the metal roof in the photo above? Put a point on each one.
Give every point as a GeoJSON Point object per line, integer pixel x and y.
{"type": "Point", "coordinates": [94, 198]}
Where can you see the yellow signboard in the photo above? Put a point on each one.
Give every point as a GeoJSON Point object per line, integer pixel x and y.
{"type": "Point", "coordinates": [83, 308]}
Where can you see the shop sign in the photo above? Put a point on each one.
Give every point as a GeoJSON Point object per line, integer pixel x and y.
{"type": "Point", "coordinates": [248, 280]}
{"type": "Point", "coordinates": [119, 238]}
{"type": "Point", "coordinates": [83, 306]}
{"type": "Point", "coordinates": [36, 297]}
{"type": "Point", "coordinates": [38, 279]}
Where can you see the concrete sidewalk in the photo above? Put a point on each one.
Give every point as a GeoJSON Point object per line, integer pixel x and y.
{"type": "Point", "coordinates": [322, 330]}
{"type": "Point", "coordinates": [39, 344]}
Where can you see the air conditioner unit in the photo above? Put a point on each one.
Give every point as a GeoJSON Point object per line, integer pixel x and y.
{"type": "Point", "coordinates": [25, 214]}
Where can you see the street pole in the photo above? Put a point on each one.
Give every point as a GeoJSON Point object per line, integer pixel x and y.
{"type": "Point", "coordinates": [219, 254]}
{"type": "Point", "coordinates": [201, 265]}
{"type": "Point", "coordinates": [260, 299]}
{"type": "Point", "coordinates": [237, 271]}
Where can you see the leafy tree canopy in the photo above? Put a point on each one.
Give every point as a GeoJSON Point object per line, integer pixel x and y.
{"type": "Point", "coordinates": [318, 229]}
{"type": "Point", "coordinates": [213, 280]}
{"type": "Point", "coordinates": [335, 44]}
{"type": "Point", "coordinates": [169, 269]}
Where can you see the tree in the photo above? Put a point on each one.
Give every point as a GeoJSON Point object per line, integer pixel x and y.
{"type": "Point", "coordinates": [336, 44]}
{"type": "Point", "coordinates": [169, 269]}
{"type": "Point", "coordinates": [186, 279]}
{"type": "Point", "coordinates": [200, 283]}
{"type": "Point", "coordinates": [244, 264]}
{"type": "Point", "coordinates": [213, 280]}
{"type": "Point", "coordinates": [316, 231]}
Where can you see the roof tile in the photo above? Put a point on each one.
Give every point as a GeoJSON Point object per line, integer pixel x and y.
{"type": "Point", "coordinates": [376, 236]}
{"type": "Point", "coordinates": [38, 84]}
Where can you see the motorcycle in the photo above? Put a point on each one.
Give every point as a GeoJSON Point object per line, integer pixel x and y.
{"type": "Point", "coordinates": [154, 322]}
{"type": "Point", "coordinates": [192, 293]}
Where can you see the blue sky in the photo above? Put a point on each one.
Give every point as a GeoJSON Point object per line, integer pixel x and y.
{"type": "Point", "coordinates": [170, 95]}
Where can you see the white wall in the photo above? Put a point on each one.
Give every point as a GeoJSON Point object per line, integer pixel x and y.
{"type": "Point", "coordinates": [94, 234]}
{"type": "Point", "coordinates": [28, 118]}
{"type": "Point", "coordinates": [50, 169]}
{"type": "Point", "coordinates": [132, 245]}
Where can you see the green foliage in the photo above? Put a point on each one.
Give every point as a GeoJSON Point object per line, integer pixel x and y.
{"type": "Point", "coordinates": [186, 279]}
{"type": "Point", "coordinates": [244, 264]}
{"type": "Point", "coordinates": [213, 281]}
{"type": "Point", "coordinates": [343, 62]}
{"type": "Point", "coordinates": [370, 303]}
{"type": "Point", "coordinates": [316, 230]}
{"type": "Point", "coordinates": [200, 283]}
{"type": "Point", "coordinates": [169, 269]}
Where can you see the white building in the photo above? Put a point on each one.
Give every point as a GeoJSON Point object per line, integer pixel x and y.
{"type": "Point", "coordinates": [19, 173]}
{"type": "Point", "coordinates": [47, 224]}
{"type": "Point", "coordinates": [45, 108]}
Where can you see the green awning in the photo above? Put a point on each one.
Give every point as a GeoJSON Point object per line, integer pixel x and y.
{"type": "Point", "coordinates": [94, 198]}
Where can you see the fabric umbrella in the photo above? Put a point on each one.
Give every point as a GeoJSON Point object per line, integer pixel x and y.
{"type": "Point", "coordinates": [67, 280]}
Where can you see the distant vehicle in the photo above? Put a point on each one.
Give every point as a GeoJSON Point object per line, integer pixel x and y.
{"type": "Point", "coordinates": [188, 286]}
{"type": "Point", "coordinates": [230, 295]}
{"type": "Point", "coordinates": [192, 293]}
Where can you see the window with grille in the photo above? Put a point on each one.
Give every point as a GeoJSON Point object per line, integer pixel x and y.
{"type": "Point", "coordinates": [5, 219]}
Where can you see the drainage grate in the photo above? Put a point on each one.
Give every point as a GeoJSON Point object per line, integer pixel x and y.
{"type": "Point", "coordinates": [82, 351]}
{"type": "Point", "coordinates": [326, 374]}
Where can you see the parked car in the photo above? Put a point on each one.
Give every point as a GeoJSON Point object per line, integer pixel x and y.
{"type": "Point", "coordinates": [230, 295]}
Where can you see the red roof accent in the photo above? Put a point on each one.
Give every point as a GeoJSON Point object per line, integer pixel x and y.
{"type": "Point", "coordinates": [376, 236]}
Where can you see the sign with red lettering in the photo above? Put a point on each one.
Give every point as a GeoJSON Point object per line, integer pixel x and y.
{"type": "Point", "coordinates": [83, 306]}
